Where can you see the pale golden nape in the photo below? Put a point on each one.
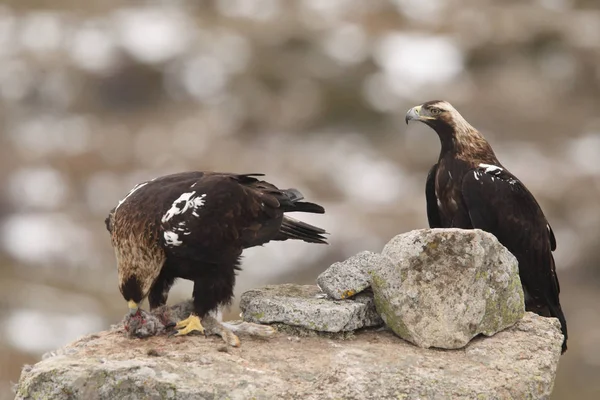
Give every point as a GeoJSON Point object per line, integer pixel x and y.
{"type": "Point", "coordinates": [465, 142]}
{"type": "Point", "coordinates": [138, 257]}
{"type": "Point", "coordinates": [455, 119]}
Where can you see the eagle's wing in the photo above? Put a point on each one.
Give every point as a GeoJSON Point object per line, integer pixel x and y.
{"type": "Point", "coordinates": [203, 217]}
{"type": "Point", "coordinates": [552, 238]}
{"type": "Point", "coordinates": [497, 202]}
{"type": "Point", "coordinates": [274, 203]}
{"type": "Point", "coordinates": [433, 212]}
{"type": "Point", "coordinates": [218, 215]}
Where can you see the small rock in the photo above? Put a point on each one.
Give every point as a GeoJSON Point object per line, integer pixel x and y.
{"type": "Point", "coordinates": [297, 305]}
{"type": "Point", "coordinates": [223, 349]}
{"type": "Point", "coordinates": [153, 353]}
{"type": "Point", "coordinates": [446, 286]}
{"type": "Point", "coordinates": [346, 278]}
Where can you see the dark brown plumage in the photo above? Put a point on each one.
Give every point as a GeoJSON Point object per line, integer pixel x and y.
{"type": "Point", "coordinates": [195, 225]}
{"type": "Point", "coordinates": [469, 188]}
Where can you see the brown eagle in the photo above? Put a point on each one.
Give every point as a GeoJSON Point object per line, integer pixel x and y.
{"type": "Point", "coordinates": [469, 188]}
{"type": "Point", "coordinates": [194, 225]}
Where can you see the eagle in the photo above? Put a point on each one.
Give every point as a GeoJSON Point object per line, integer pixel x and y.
{"type": "Point", "coordinates": [469, 188]}
{"type": "Point", "coordinates": [194, 226]}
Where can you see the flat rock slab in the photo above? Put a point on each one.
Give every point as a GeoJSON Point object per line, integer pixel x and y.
{"type": "Point", "coordinates": [304, 306]}
{"type": "Point", "coordinates": [346, 278]}
{"type": "Point", "coordinates": [518, 363]}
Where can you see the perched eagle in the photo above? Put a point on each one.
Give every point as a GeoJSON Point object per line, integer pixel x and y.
{"type": "Point", "coordinates": [194, 225]}
{"type": "Point", "coordinates": [469, 188]}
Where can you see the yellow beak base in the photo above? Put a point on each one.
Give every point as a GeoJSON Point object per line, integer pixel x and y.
{"type": "Point", "coordinates": [133, 306]}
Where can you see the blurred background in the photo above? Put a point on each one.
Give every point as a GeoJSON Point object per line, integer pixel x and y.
{"type": "Point", "coordinates": [96, 98]}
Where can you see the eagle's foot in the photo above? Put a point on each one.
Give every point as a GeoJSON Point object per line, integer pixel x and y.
{"type": "Point", "coordinates": [214, 327]}
{"type": "Point", "coordinates": [189, 325]}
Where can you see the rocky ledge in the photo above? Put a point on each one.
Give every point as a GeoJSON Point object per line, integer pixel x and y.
{"type": "Point", "coordinates": [438, 314]}
{"type": "Point", "coordinates": [519, 362]}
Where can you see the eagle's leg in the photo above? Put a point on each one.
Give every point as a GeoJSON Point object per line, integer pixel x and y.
{"type": "Point", "coordinates": [159, 292]}
{"type": "Point", "coordinates": [209, 293]}
{"type": "Point", "coordinates": [189, 325]}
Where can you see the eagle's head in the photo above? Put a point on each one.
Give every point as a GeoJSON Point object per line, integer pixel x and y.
{"type": "Point", "coordinates": [439, 115]}
{"type": "Point", "coordinates": [132, 290]}
{"type": "Point", "coordinates": [138, 269]}
{"type": "Point", "coordinates": [456, 134]}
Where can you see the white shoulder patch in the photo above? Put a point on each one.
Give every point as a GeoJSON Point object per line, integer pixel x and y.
{"type": "Point", "coordinates": [136, 187]}
{"type": "Point", "coordinates": [171, 238]}
{"type": "Point", "coordinates": [197, 203]}
{"type": "Point", "coordinates": [495, 171]}
{"type": "Point", "coordinates": [183, 203]}
{"type": "Point", "coordinates": [491, 169]}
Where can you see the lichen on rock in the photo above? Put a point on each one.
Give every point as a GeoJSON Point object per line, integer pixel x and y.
{"type": "Point", "coordinates": [447, 286]}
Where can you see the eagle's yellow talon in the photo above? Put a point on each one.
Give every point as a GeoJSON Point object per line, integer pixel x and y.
{"type": "Point", "coordinates": [188, 325]}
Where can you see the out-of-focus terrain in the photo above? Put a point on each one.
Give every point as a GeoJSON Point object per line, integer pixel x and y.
{"type": "Point", "coordinates": [95, 98]}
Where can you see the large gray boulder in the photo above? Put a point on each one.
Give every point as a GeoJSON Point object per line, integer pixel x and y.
{"type": "Point", "coordinates": [518, 363]}
{"type": "Point", "coordinates": [304, 306]}
{"type": "Point", "coordinates": [447, 286]}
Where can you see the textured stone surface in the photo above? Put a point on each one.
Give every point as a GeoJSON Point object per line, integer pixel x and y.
{"type": "Point", "coordinates": [346, 278]}
{"type": "Point", "coordinates": [446, 286]}
{"type": "Point", "coordinates": [302, 305]}
{"type": "Point", "coordinates": [518, 363]}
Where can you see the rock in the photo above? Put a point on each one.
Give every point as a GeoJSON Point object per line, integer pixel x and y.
{"type": "Point", "coordinates": [301, 305]}
{"type": "Point", "coordinates": [346, 278]}
{"type": "Point", "coordinates": [447, 286]}
{"type": "Point", "coordinates": [518, 363]}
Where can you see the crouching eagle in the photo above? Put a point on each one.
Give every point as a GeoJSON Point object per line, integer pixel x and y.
{"type": "Point", "coordinates": [469, 188]}
{"type": "Point", "coordinates": [194, 225]}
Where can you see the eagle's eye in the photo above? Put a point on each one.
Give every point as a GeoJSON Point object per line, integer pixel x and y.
{"type": "Point", "coordinates": [435, 111]}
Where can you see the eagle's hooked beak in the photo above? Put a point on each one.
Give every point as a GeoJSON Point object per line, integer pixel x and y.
{"type": "Point", "coordinates": [133, 307]}
{"type": "Point", "coordinates": [413, 113]}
